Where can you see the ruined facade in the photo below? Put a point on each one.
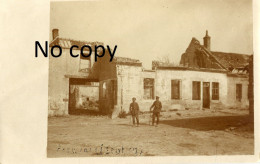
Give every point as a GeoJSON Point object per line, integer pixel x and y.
{"type": "Point", "coordinates": [203, 80]}
{"type": "Point", "coordinates": [69, 77]}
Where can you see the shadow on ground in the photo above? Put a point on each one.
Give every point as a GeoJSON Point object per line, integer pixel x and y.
{"type": "Point", "coordinates": [131, 124]}
{"type": "Point", "coordinates": [85, 112]}
{"type": "Point", "coordinates": [209, 123]}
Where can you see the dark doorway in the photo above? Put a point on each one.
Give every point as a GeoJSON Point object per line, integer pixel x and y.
{"type": "Point", "coordinates": [83, 96]}
{"type": "Point", "coordinates": [112, 91]}
{"type": "Point", "coordinates": [206, 95]}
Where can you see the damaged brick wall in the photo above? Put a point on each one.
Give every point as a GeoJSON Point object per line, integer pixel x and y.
{"type": "Point", "coordinates": [196, 56]}
{"type": "Point", "coordinates": [60, 71]}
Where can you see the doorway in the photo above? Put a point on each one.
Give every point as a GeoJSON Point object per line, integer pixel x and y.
{"type": "Point", "coordinates": [206, 95]}
{"type": "Point", "coordinates": [83, 96]}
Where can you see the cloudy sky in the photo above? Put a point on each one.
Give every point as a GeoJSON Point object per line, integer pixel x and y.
{"type": "Point", "coordinates": [149, 29]}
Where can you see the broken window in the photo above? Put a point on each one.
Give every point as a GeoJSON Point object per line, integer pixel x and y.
{"type": "Point", "coordinates": [175, 89]}
{"type": "Point", "coordinates": [196, 90]}
{"type": "Point", "coordinates": [84, 63]}
{"type": "Point", "coordinates": [238, 92]}
{"type": "Point", "coordinates": [215, 91]}
{"type": "Point", "coordinates": [148, 88]}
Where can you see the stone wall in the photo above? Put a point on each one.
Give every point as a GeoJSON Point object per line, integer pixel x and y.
{"type": "Point", "coordinates": [58, 86]}
{"type": "Point", "coordinates": [129, 82]}
{"type": "Point", "coordinates": [163, 87]}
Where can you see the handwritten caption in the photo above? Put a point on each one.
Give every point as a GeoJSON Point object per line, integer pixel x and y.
{"type": "Point", "coordinates": [101, 150]}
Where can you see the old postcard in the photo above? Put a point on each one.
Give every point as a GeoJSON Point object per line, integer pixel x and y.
{"type": "Point", "coordinates": [150, 78]}
{"type": "Point", "coordinates": [129, 81]}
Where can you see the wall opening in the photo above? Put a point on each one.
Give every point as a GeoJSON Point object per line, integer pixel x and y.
{"type": "Point", "coordinates": [148, 88]}
{"type": "Point", "coordinates": [83, 96]}
{"type": "Point", "coordinates": [206, 95]}
{"type": "Point", "coordinates": [238, 92]}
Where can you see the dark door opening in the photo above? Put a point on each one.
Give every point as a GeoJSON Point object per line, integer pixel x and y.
{"type": "Point", "coordinates": [206, 95]}
{"type": "Point", "coordinates": [83, 96]}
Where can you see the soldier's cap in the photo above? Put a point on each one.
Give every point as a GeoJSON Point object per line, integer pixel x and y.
{"type": "Point", "coordinates": [157, 97]}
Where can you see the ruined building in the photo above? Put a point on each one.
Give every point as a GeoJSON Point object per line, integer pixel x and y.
{"type": "Point", "coordinates": [204, 79]}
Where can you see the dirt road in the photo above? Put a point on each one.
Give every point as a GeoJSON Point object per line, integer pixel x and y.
{"type": "Point", "coordinates": [179, 133]}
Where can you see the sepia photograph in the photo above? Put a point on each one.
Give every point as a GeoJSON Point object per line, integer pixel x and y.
{"type": "Point", "coordinates": [150, 78]}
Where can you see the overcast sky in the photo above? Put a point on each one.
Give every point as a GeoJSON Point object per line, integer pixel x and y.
{"type": "Point", "coordinates": [147, 29]}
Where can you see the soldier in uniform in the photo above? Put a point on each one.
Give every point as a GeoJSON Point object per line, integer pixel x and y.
{"type": "Point", "coordinates": [134, 109]}
{"type": "Point", "coordinates": [157, 106]}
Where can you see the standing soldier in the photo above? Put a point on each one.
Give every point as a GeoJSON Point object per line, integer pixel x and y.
{"type": "Point", "coordinates": [134, 109]}
{"type": "Point", "coordinates": [157, 106]}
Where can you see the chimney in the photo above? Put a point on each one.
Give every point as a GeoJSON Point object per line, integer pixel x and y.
{"type": "Point", "coordinates": [55, 33]}
{"type": "Point", "coordinates": [207, 41]}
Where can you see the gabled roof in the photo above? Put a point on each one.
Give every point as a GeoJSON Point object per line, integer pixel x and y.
{"type": "Point", "coordinates": [197, 56]}
{"type": "Point", "coordinates": [232, 60]}
{"type": "Point", "coordinates": [215, 60]}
